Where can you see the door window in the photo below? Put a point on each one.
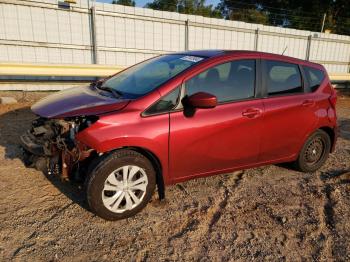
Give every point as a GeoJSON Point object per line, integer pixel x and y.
{"type": "Point", "coordinates": [228, 82]}
{"type": "Point", "coordinates": [282, 78]}
{"type": "Point", "coordinates": [164, 104]}
{"type": "Point", "coordinates": [314, 76]}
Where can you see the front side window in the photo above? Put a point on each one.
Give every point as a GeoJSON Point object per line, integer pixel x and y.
{"type": "Point", "coordinates": [228, 82]}
{"type": "Point", "coordinates": [282, 78]}
{"type": "Point", "coordinates": [165, 104]}
{"type": "Point", "coordinates": [314, 76]}
{"type": "Point", "coordinates": [143, 78]}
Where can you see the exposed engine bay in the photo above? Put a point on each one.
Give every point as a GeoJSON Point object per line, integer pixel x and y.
{"type": "Point", "coordinates": [50, 146]}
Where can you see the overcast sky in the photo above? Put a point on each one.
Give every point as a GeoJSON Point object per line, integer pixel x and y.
{"type": "Point", "coordinates": [141, 3]}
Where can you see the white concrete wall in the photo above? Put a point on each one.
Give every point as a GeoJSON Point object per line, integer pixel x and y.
{"type": "Point", "coordinates": [42, 32]}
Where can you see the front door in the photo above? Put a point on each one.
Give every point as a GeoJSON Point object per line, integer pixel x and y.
{"type": "Point", "coordinates": [220, 138]}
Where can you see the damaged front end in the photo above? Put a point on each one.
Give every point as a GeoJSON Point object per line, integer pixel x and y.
{"type": "Point", "coordinates": [50, 146]}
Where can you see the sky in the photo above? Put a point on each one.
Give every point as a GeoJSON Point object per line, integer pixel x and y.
{"type": "Point", "coordinates": [141, 3]}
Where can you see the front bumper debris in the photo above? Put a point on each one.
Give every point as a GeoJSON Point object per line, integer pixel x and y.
{"type": "Point", "coordinates": [50, 146]}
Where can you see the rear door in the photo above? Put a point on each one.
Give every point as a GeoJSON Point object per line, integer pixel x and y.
{"type": "Point", "coordinates": [289, 113]}
{"type": "Point", "coordinates": [223, 137]}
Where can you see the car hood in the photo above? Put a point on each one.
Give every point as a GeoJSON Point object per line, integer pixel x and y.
{"type": "Point", "coordinates": [77, 101]}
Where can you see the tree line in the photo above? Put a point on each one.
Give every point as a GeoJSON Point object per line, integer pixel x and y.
{"type": "Point", "coordinates": [313, 15]}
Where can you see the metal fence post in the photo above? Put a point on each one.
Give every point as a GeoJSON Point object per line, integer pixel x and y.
{"type": "Point", "coordinates": [93, 35]}
{"type": "Point", "coordinates": [256, 43]}
{"type": "Point", "coordinates": [186, 34]}
{"type": "Point", "coordinates": [308, 47]}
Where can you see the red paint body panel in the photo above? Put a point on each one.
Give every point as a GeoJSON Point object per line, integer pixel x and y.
{"type": "Point", "coordinates": [228, 137]}
{"type": "Point", "coordinates": [77, 101]}
{"type": "Point", "coordinates": [214, 139]}
{"type": "Point", "coordinates": [128, 129]}
{"type": "Point", "coordinates": [282, 135]}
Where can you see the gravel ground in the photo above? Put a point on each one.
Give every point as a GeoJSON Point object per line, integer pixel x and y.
{"type": "Point", "coordinates": [267, 213]}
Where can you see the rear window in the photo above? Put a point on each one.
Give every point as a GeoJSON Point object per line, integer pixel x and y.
{"type": "Point", "coordinates": [314, 77]}
{"type": "Point", "coordinates": [282, 78]}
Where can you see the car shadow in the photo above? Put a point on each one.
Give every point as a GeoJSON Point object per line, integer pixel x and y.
{"type": "Point", "coordinates": [344, 128]}
{"type": "Point", "coordinates": [13, 124]}
{"type": "Point", "coordinates": [341, 175]}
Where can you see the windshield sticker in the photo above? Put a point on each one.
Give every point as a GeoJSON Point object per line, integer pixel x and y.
{"type": "Point", "coordinates": [193, 59]}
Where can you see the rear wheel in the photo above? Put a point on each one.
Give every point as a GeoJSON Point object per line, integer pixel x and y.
{"type": "Point", "coordinates": [121, 185]}
{"type": "Point", "coordinates": [314, 152]}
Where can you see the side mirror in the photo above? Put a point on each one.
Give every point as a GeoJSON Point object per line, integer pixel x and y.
{"type": "Point", "coordinates": [202, 100]}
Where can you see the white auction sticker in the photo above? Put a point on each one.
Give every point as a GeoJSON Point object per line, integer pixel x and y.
{"type": "Point", "coordinates": [194, 59]}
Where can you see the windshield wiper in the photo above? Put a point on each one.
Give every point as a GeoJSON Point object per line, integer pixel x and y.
{"type": "Point", "coordinates": [97, 83]}
{"type": "Point", "coordinates": [116, 93]}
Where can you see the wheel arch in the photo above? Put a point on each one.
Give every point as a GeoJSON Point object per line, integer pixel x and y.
{"type": "Point", "coordinates": [157, 166]}
{"type": "Point", "coordinates": [331, 132]}
{"type": "Point", "coordinates": [332, 135]}
{"type": "Point", "coordinates": [156, 163]}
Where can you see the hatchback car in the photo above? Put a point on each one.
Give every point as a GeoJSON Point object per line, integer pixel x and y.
{"type": "Point", "coordinates": [181, 116]}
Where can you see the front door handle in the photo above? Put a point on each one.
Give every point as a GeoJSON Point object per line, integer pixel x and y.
{"type": "Point", "coordinates": [251, 112]}
{"type": "Point", "coordinates": [308, 103]}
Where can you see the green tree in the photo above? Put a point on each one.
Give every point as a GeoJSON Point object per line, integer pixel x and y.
{"type": "Point", "coordinates": [195, 7]}
{"type": "Point", "coordinates": [198, 7]}
{"type": "Point", "coordinates": [250, 16]}
{"type": "Point", "coordinates": [300, 14]}
{"type": "Point", "coordinates": [163, 5]}
{"type": "Point", "coordinates": [124, 2]}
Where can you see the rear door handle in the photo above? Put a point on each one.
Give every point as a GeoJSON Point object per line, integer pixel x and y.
{"type": "Point", "coordinates": [251, 112]}
{"type": "Point", "coordinates": [308, 103]}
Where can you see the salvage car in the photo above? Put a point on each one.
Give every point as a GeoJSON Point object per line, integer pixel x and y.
{"type": "Point", "coordinates": [181, 116]}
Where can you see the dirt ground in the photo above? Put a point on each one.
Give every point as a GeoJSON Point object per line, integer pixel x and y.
{"type": "Point", "coordinates": [269, 213]}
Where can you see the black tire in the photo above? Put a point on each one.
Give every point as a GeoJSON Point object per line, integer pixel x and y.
{"type": "Point", "coordinates": [96, 180]}
{"type": "Point", "coordinates": [314, 152]}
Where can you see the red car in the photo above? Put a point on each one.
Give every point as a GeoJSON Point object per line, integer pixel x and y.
{"type": "Point", "coordinates": [182, 116]}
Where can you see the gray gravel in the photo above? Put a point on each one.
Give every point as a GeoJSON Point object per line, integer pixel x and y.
{"type": "Point", "coordinates": [268, 213]}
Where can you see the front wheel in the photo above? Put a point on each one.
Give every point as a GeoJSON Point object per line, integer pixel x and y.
{"type": "Point", "coordinates": [121, 185]}
{"type": "Point", "coordinates": [314, 152]}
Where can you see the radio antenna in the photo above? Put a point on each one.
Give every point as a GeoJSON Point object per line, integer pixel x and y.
{"type": "Point", "coordinates": [284, 50]}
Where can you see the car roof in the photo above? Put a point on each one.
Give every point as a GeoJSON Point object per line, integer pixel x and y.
{"type": "Point", "coordinates": [220, 52]}
{"type": "Point", "coordinates": [203, 53]}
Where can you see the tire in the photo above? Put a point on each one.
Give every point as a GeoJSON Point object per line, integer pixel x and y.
{"type": "Point", "coordinates": [109, 195]}
{"type": "Point", "coordinates": [314, 152]}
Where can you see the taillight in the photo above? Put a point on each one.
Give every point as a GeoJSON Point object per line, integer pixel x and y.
{"type": "Point", "coordinates": [333, 98]}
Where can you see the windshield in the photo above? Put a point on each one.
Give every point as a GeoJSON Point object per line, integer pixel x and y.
{"type": "Point", "coordinates": [142, 78]}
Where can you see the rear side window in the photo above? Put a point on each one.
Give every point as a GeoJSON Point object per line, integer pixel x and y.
{"type": "Point", "coordinates": [314, 77]}
{"type": "Point", "coordinates": [282, 78]}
